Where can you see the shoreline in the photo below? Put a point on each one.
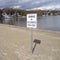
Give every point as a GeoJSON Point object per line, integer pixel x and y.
{"type": "Point", "coordinates": [14, 26]}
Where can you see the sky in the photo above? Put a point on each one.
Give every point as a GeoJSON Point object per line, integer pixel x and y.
{"type": "Point", "coordinates": [30, 4]}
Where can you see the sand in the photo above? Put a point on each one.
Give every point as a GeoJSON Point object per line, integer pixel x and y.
{"type": "Point", "coordinates": [15, 44]}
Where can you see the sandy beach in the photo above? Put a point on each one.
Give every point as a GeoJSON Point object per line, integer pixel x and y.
{"type": "Point", "coordinates": [15, 44]}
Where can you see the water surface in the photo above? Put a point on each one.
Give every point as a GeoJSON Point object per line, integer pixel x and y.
{"type": "Point", "coordinates": [43, 22]}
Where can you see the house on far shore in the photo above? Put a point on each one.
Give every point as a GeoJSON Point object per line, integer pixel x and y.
{"type": "Point", "coordinates": [6, 17]}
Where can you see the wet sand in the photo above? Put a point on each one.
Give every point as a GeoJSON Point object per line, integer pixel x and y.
{"type": "Point", "coordinates": [15, 44]}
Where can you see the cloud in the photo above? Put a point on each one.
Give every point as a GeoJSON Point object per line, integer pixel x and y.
{"type": "Point", "coordinates": [16, 7]}
{"type": "Point", "coordinates": [49, 7]}
{"type": "Point", "coordinates": [35, 4]}
{"type": "Point", "coordinates": [46, 5]}
{"type": "Point", "coordinates": [7, 3]}
{"type": "Point", "coordinates": [30, 4]}
{"type": "Point", "coordinates": [23, 1]}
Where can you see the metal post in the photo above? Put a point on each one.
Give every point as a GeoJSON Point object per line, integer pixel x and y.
{"type": "Point", "coordinates": [31, 40]}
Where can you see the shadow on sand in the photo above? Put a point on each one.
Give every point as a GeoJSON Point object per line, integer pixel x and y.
{"type": "Point", "coordinates": [36, 41]}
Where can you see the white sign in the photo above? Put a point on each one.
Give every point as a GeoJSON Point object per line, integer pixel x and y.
{"type": "Point", "coordinates": [31, 20]}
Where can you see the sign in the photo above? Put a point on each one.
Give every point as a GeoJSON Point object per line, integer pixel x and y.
{"type": "Point", "coordinates": [31, 23]}
{"type": "Point", "coordinates": [31, 20]}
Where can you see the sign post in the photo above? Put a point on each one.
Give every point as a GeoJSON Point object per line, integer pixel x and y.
{"type": "Point", "coordinates": [31, 42]}
{"type": "Point", "coordinates": [31, 23]}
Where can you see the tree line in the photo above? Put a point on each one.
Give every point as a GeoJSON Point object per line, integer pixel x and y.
{"type": "Point", "coordinates": [11, 11]}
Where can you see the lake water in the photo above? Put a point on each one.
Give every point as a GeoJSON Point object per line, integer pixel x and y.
{"type": "Point", "coordinates": [49, 23]}
{"type": "Point", "coordinates": [43, 22]}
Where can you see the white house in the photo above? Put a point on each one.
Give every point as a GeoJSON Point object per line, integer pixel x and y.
{"type": "Point", "coordinates": [6, 17]}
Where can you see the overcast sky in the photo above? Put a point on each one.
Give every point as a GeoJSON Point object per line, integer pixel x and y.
{"type": "Point", "coordinates": [30, 4]}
